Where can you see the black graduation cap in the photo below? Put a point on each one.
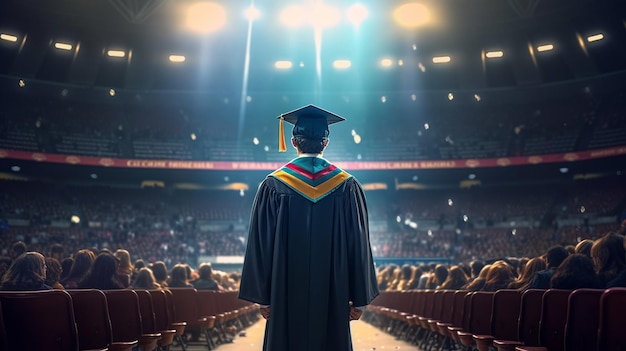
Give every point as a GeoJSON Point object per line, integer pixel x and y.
{"type": "Point", "coordinates": [309, 121]}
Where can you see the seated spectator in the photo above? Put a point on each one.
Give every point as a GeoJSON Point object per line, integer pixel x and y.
{"type": "Point", "coordinates": [125, 269]}
{"type": "Point", "coordinates": [103, 274]}
{"type": "Point", "coordinates": [206, 281]}
{"type": "Point", "coordinates": [439, 275]}
{"type": "Point", "coordinates": [456, 279]}
{"type": "Point", "coordinates": [159, 269]}
{"type": "Point", "coordinates": [534, 265]}
{"type": "Point", "coordinates": [53, 273]}
{"type": "Point", "coordinates": [476, 267]}
{"type": "Point", "coordinates": [584, 247]}
{"type": "Point", "coordinates": [66, 266]}
{"type": "Point", "coordinates": [81, 265]}
{"type": "Point", "coordinates": [554, 257]}
{"type": "Point", "coordinates": [17, 249]}
{"type": "Point", "coordinates": [145, 280]}
{"type": "Point", "coordinates": [139, 264]}
{"type": "Point", "coordinates": [575, 272]}
{"type": "Point", "coordinates": [499, 276]}
{"type": "Point", "coordinates": [479, 282]}
{"type": "Point", "coordinates": [404, 276]}
{"type": "Point", "coordinates": [28, 272]}
{"type": "Point", "coordinates": [609, 257]}
{"type": "Point", "coordinates": [178, 277]}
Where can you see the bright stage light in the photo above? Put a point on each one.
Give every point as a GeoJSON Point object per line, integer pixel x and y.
{"type": "Point", "coordinates": [293, 16]}
{"type": "Point", "coordinates": [63, 46]}
{"type": "Point", "coordinates": [205, 17]}
{"type": "Point", "coordinates": [116, 53]}
{"type": "Point", "coordinates": [546, 47]}
{"type": "Point", "coordinates": [8, 37]}
{"type": "Point", "coordinates": [177, 58]}
{"type": "Point", "coordinates": [325, 16]}
{"type": "Point", "coordinates": [595, 37]}
{"type": "Point", "coordinates": [494, 54]}
{"type": "Point", "coordinates": [283, 64]}
{"type": "Point", "coordinates": [412, 15]}
{"type": "Point", "coordinates": [386, 62]}
{"type": "Point", "coordinates": [357, 13]}
{"type": "Point", "coordinates": [441, 59]}
{"type": "Point", "coordinates": [252, 13]}
{"type": "Point", "coordinates": [342, 64]}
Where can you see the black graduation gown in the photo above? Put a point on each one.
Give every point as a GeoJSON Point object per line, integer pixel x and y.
{"type": "Point", "coordinates": [308, 260]}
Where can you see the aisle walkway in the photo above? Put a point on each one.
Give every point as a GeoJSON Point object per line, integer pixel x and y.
{"type": "Point", "coordinates": [364, 338]}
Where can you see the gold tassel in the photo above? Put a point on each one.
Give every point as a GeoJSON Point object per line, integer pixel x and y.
{"type": "Point", "coordinates": [282, 146]}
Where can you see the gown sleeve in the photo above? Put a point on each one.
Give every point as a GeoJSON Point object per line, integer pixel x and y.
{"type": "Point", "coordinates": [256, 275]}
{"type": "Point", "coordinates": [363, 285]}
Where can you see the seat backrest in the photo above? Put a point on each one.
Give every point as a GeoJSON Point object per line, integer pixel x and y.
{"type": "Point", "coordinates": [162, 317]}
{"type": "Point", "coordinates": [92, 318]}
{"type": "Point", "coordinates": [553, 318]}
{"type": "Point", "coordinates": [185, 305]}
{"type": "Point", "coordinates": [481, 306]}
{"type": "Point", "coordinates": [611, 334]}
{"type": "Point", "coordinates": [458, 308]}
{"type": "Point", "coordinates": [125, 315]}
{"type": "Point", "coordinates": [207, 300]}
{"type": "Point", "coordinates": [530, 316]}
{"type": "Point", "coordinates": [583, 315]}
{"type": "Point", "coordinates": [417, 303]}
{"type": "Point", "coordinates": [437, 305]}
{"type": "Point", "coordinates": [467, 310]}
{"type": "Point", "coordinates": [447, 306]}
{"type": "Point", "coordinates": [39, 320]}
{"type": "Point", "coordinates": [505, 314]}
{"type": "Point", "coordinates": [146, 307]}
{"type": "Point", "coordinates": [3, 333]}
{"type": "Point", "coordinates": [429, 299]}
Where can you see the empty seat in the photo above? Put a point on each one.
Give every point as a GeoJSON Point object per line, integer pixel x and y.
{"type": "Point", "coordinates": [611, 335]}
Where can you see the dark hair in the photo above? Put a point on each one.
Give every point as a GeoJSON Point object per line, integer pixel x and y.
{"type": "Point", "coordinates": [178, 276]}
{"type": "Point", "coordinates": [18, 248]}
{"type": "Point", "coordinates": [584, 247]}
{"type": "Point", "coordinates": [555, 255]}
{"type": "Point", "coordinates": [309, 146]}
{"type": "Point", "coordinates": [53, 271]}
{"type": "Point", "coordinates": [102, 274]}
{"type": "Point", "coordinates": [145, 280]}
{"type": "Point", "coordinates": [205, 271]}
{"type": "Point", "coordinates": [609, 256]}
{"type": "Point", "coordinates": [81, 265]}
{"type": "Point", "coordinates": [576, 272]}
{"type": "Point", "coordinates": [159, 269]}
{"type": "Point", "coordinates": [26, 273]}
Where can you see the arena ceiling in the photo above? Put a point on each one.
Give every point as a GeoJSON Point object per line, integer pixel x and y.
{"type": "Point", "coordinates": [237, 62]}
{"type": "Point", "coordinates": [240, 56]}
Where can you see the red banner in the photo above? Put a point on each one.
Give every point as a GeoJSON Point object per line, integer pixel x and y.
{"type": "Point", "coordinates": [268, 166]}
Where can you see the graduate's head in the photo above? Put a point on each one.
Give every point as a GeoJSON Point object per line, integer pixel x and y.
{"type": "Point", "coordinates": [310, 128]}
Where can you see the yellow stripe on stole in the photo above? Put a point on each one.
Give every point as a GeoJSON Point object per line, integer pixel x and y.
{"type": "Point", "coordinates": [308, 190]}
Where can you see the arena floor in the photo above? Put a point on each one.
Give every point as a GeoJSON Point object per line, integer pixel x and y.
{"type": "Point", "coordinates": [364, 338]}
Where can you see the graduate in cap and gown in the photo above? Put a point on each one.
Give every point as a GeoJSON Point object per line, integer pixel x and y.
{"type": "Point", "coordinates": [308, 261]}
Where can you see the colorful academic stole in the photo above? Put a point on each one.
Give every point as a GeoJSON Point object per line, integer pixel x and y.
{"type": "Point", "coordinates": [312, 177]}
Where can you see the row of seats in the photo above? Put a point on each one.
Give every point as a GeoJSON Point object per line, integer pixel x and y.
{"type": "Point", "coordinates": [505, 320]}
{"type": "Point", "coordinates": [119, 320]}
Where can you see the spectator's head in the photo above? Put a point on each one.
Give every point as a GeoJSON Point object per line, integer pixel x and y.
{"type": "Point", "coordinates": [159, 269]}
{"type": "Point", "coordinates": [66, 266]}
{"type": "Point", "coordinates": [575, 272]}
{"type": "Point", "coordinates": [53, 271]}
{"type": "Point", "coordinates": [441, 274]}
{"type": "Point", "coordinates": [609, 256]}
{"type": "Point", "coordinates": [178, 276]}
{"type": "Point", "coordinates": [584, 247]}
{"type": "Point", "coordinates": [205, 271]}
{"type": "Point", "coordinates": [124, 257]}
{"type": "Point", "coordinates": [499, 273]}
{"type": "Point", "coordinates": [555, 255]}
{"type": "Point", "coordinates": [103, 272]}
{"type": "Point", "coordinates": [145, 280]}
{"type": "Point", "coordinates": [476, 267]}
{"type": "Point", "coordinates": [57, 251]}
{"type": "Point", "coordinates": [28, 272]}
{"type": "Point", "coordinates": [17, 249]}
{"type": "Point", "coordinates": [81, 265]}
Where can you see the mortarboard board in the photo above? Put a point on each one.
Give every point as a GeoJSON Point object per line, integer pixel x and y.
{"type": "Point", "coordinates": [309, 121]}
